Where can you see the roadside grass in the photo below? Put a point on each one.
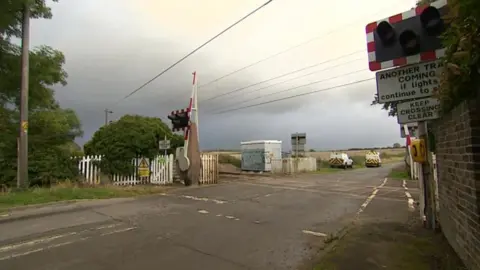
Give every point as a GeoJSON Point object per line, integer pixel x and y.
{"type": "Point", "coordinates": [229, 159]}
{"type": "Point", "coordinates": [390, 246]}
{"type": "Point", "coordinates": [71, 191]}
{"type": "Point", "coordinates": [399, 172]}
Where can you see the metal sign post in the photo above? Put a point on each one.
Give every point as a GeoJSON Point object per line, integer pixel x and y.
{"type": "Point", "coordinates": [164, 145]}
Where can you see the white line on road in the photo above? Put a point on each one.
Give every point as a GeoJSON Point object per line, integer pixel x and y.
{"type": "Point", "coordinates": [370, 198]}
{"type": "Point", "coordinates": [15, 255]}
{"type": "Point", "coordinates": [314, 233]}
{"type": "Point", "coordinates": [203, 199]}
{"type": "Point", "coordinates": [203, 211]}
{"type": "Point", "coordinates": [108, 226]}
{"type": "Point", "coordinates": [34, 242]}
{"type": "Point", "coordinates": [410, 200]}
{"type": "Point", "coordinates": [119, 231]}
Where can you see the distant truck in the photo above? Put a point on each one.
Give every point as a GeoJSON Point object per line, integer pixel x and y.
{"type": "Point", "coordinates": [340, 160]}
{"type": "Point", "coordinates": [372, 159]}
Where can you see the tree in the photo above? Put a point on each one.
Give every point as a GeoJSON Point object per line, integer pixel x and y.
{"type": "Point", "coordinates": [132, 136]}
{"type": "Point", "coordinates": [11, 15]}
{"type": "Point", "coordinates": [391, 107]}
{"type": "Point", "coordinates": [397, 145]}
{"type": "Point", "coordinates": [52, 129]}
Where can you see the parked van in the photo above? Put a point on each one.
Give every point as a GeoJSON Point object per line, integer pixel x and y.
{"type": "Point", "coordinates": [340, 160]}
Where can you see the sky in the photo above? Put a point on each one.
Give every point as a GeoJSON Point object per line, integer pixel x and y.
{"type": "Point", "coordinates": [114, 46]}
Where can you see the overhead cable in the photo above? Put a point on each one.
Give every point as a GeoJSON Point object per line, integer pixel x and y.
{"type": "Point", "coordinates": [295, 78]}
{"type": "Point", "coordinates": [282, 75]}
{"type": "Point", "coordinates": [288, 49]}
{"type": "Point", "coordinates": [194, 51]}
{"type": "Point", "coordinates": [295, 96]}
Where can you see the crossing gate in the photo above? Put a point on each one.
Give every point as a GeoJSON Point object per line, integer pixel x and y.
{"type": "Point", "coordinates": [209, 171]}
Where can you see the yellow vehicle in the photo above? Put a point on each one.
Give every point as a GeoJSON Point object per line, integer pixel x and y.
{"type": "Point", "coordinates": [372, 159]}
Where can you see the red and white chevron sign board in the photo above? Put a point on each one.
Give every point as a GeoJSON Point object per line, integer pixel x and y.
{"type": "Point", "coordinates": [413, 59]}
{"type": "Point", "coordinates": [187, 110]}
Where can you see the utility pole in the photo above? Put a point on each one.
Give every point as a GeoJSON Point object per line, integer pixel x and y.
{"type": "Point", "coordinates": [107, 111]}
{"type": "Point", "coordinates": [425, 173]}
{"type": "Point", "coordinates": [22, 170]}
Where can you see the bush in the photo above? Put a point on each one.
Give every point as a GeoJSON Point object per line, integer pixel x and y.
{"type": "Point", "coordinates": [322, 163]}
{"type": "Point", "coordinates": [228, 159]}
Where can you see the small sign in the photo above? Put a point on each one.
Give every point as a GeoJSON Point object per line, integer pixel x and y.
{"type": "Point", "coordinates": [412, 130]}
{"type": "Point", "coordinates": [164, 145]}
{"type": "Point", "coordinates": [25, 126]}
{"type": "Point", "coordinates": [409, 82]}
{"type": "Point", "coordinates": [418, 110]}
{"type": "Point", "coordinates": [143, 168]}
{"type": "Point", "coordinates": [300, 138]}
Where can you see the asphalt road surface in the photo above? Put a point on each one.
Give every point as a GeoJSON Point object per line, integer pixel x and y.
{"type": "Point", "coordinates": [256, 223]}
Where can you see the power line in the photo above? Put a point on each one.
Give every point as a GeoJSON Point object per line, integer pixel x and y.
{"type": "Point", "coordinates": [283, 75]}
{"type": "Point", "coordinates": [194, 51]}
{"type": "Point", "coordinates": [298, 77]}
{"type": "Point", "coordinates": [295, 96]}
{"type": "Point", "coordinates": [284, 51]}
{"type": "Point", "coordinates": [300, 86]}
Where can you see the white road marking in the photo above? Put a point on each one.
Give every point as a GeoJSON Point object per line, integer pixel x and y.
{"type": "Point", "coordinates": [314, 233]}
{"type": "Point", "coordinates": [411, 202]}
{"type": "Point", "coordinates": [15, 255]}
{"type": "Point", "coordinates": [48, 239]}
{"type": "Point", "coordinates": [203, 199]}
{"type": "Point", "coordinates": [370, 198]}
{"type": "Point", "coordinates": [108, 226]}
{"type": "Point", "coordinates": [203, 211]}
{"type": "Point", "coordinates": [119, 231]}
{"type": "Point", "coordinates": [34, 242]}
{"type": "Point", "coordinates": [229, 217]}
{"type": "Point", "coordinates": [219, 215]}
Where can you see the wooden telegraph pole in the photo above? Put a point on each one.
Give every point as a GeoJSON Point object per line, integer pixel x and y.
{"type": "Point", "coordinates": [22, 170]}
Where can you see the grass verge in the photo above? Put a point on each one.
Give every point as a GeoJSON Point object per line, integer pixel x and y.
{"type": "Point", "coordinates": [228, 159]}
{"type": "Point", "coordinates": [69, 192]}
{"type": "Point", "coordinates": [399, 172]}
{"type": "Point", "coordinates": [391, 246]}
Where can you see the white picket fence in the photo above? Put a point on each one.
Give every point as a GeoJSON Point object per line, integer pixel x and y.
{"type": "Point", "coordinates": [209, 173]}
{"type": "Point", "coordinates": [161, 171]}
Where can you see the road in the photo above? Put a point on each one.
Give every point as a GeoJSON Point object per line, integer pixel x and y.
{"type": "Point", "coordinates": [255, 223]}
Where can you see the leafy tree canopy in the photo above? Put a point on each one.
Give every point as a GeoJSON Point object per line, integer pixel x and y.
{"type": "Point", "coordinates": [52, 129]}
{"type": "Point", "coordinates": [130, 137]}
{"type": "Point", "coordinates": [11, 15]}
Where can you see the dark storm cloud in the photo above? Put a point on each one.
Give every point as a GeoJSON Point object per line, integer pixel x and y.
{"type": "Point", "coordinates": [107, 58]}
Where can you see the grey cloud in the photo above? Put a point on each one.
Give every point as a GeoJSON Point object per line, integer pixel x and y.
{"type": "Point", "coordinates": [106, 62]}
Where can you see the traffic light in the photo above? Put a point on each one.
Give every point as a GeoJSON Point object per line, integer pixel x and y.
{"type": "Point", "coordinates": [180, 119]}
{"type": "Point", "coordinates": [407, 38]}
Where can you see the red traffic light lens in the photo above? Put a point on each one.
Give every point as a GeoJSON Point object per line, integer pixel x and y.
{"type": "Point", "coordinates": [386, 33]}
{"type": "Point", "coordinates": [409, 42]}
{"type": "Point", "coordinates": [432, 21]}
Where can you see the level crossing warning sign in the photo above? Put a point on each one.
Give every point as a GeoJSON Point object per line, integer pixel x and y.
{"type": "Point", "coordinates": [409, 82]}
{"type": "Point", "coordinates": [143, 168]}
